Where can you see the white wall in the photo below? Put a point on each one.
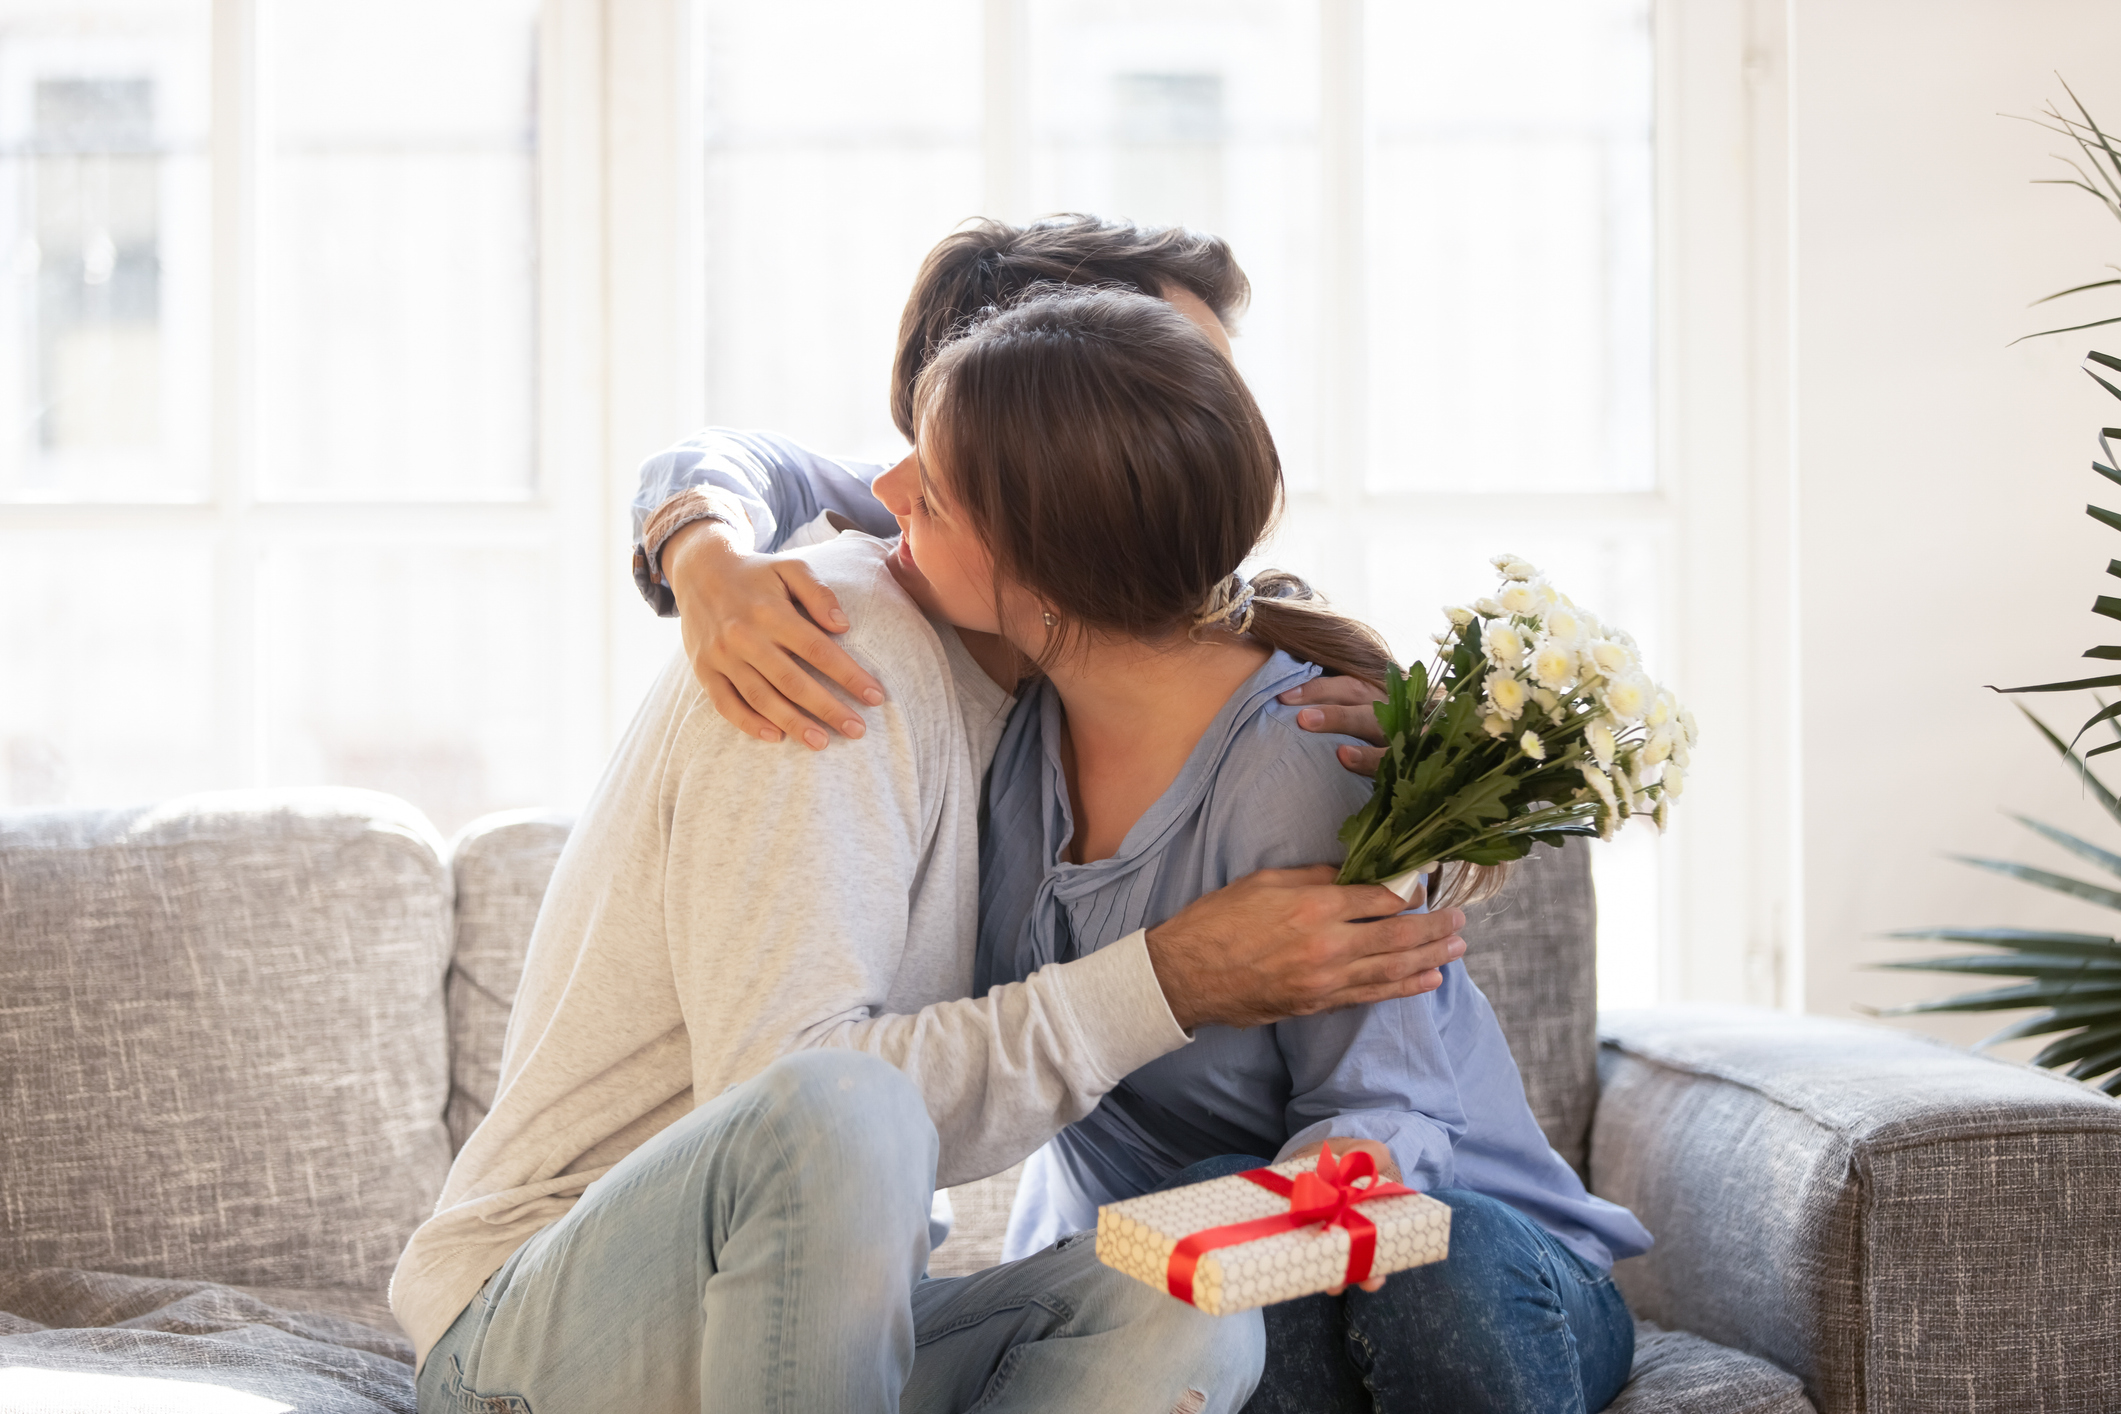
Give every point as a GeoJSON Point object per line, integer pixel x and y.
{"type": "Point", "coordinates": [1941, 475]}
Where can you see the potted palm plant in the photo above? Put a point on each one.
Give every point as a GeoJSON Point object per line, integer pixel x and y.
{"type": "Point", "coordinates": [2071, 980]}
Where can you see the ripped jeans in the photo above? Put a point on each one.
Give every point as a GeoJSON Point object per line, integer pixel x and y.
{"type": "Point", "coordinates": [765, 1253]}
{"type": "Point", "coordinates": [1512, 1322]}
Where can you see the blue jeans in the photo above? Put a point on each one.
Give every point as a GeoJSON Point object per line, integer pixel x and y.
{"type": "Point", "coordinates": [765, 1253]}
{"type": "Point", "coordinates": [1510, 1321]}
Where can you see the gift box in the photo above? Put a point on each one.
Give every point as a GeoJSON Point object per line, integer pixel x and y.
{"type": "Point", "coordinates": [1273, 1234]}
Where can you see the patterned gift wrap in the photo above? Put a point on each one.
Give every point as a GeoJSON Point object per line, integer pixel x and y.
{"type": "Point", "coordinates": [1140, 1236]}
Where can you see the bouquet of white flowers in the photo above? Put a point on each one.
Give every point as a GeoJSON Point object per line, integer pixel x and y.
{"type": "Point", "coordinates": [1536, 722]}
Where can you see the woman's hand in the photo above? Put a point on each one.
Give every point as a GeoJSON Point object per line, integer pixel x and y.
{"type": "Point", "coordinates": [746, 635]}
{"type": "Point", "coordinates": [1387, 1169]}
{"type": "Point", "coordinates": [1341, 707]}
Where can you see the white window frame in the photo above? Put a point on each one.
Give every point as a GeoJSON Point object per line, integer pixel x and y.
{"type": "Point", "coordinates": [621, 373]}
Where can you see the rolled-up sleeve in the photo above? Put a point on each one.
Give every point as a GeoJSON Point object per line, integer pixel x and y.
{"type": "Point", "coordinates": [781, 485]}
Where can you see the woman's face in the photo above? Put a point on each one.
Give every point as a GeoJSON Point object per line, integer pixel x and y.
{"type": "Point", "coordinates": [941, 560]}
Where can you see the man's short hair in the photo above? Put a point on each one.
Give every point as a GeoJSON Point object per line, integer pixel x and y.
{"type": "Point", "coordinates": [989, 263]}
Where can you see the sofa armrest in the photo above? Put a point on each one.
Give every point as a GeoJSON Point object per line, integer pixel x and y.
{"type": "Point", "coordinates": [1902, 1224]}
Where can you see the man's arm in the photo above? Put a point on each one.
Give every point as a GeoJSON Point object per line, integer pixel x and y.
{"type": "Point", "coordinates": [779, 485]}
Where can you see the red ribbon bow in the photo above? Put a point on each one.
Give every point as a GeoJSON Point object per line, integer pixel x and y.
{"type": "Point", "coordinates": [1327, 1196]}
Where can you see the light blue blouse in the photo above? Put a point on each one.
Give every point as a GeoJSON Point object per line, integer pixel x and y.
{"type": "Point", "coordinates": [1430, 1077]}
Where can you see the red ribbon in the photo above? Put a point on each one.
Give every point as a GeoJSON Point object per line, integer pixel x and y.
{"type": "Point", "coordinates": [1327, 1196]}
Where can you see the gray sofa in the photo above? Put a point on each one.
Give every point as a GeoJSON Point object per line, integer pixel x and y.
{"type": "Point", "coordinates": [242, 1034]}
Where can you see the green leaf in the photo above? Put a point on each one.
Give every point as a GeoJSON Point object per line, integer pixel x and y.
{"type": "Point", "coordinates": [2031, 941]}
{"type": "Point", "coordinates": [2107, 604]}
{"type": "Point", "coordinates": [2092, 783]}
{"type": "Point", "coordinates": [2046, 1023]}
{"type": "Point", "coordinates": [2078, 686]}
{"type": "Point", "coordinates": [2083, 849]}
{"type": "Point", "coordinates": [2073, 290]}
{"type": "Point", "coordinates": [2105, 650]}
{"type": "Point", "coordinates": [2061, 884]}
{"type": "Point", "coordinates": [2030, 994]}
{"type": "Point", "coordinates": [2019, 965]}
{"type": "Point", "coordinates": [2066, 329]}
{"type": "Point", "coordinates": [2084, 1043]}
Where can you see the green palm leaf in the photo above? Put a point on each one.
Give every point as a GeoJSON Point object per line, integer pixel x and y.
{"type": "Point", "coordinates": [2083, 849]}
{"type": "Point", "coordinates": [2030, 994]}
{"type": "Point", "coordinates": [2013, 966]}
{"type": "Point", "coordinates": [2025, 939]}
{"type": "Point", "coordinates": [2060, 883]}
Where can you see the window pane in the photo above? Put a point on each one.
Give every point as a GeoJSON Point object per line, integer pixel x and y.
{"type": "Point", "coordinates": [425, 671]}
{"type": "Point", "coordinates": [103, 261]}
{"type": "Point", "coordinates": [106, 693]}
{"type": "Point", "coordinates": [396, 310]}
{"type": "Point", "coordinates": [1180, 112]}
{"type": "Point", "coordinates": [843, 141]}
{"type": "Point", "coordinates": [1508, 196]}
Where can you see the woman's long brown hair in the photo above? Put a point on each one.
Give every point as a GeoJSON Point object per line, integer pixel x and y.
{"type": "Point", "coordinates": [1116, 466]}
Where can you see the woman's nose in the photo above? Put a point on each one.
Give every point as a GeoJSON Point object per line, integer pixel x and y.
{"type": "Point", "coordinates": [895, 487]}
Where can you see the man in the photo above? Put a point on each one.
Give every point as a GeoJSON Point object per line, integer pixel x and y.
{"type": "Point", "coordinates": [744, 1052]}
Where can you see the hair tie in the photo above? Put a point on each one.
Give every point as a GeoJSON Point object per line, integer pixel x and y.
{"type": "Point", "coordinates": [1228, 605]}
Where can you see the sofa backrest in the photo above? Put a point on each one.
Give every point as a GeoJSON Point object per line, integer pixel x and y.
{"type": "Point", "coordinates": [224, 1050]}
{"type": "Point", "coordinates": [501, 865]}
{"type": "Point", "coordinates": [1532, 951]}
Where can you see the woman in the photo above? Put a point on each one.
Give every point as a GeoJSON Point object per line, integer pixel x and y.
{"type": "Point", "coordinates": [1090, 474]}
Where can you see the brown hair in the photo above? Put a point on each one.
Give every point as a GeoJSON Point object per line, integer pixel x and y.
{"type": "Point", "coordinates": [989, 263]}
{"type": "Point", "coordinates": [1115, 465]}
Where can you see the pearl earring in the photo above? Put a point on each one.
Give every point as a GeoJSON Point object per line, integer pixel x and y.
{"type": "Point", "coordinates": [1050, 620]}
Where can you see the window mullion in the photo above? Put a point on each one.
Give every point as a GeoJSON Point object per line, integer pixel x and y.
{"type": "Point", "coordinates": [1343, 372]}
{"type": "Point", "coordinates": [238, 678]}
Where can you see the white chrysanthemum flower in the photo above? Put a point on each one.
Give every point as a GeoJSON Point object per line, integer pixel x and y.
{"type": "Point", "coordinates": [1504, 643]}
{"type": "Point", "coordinates": [1686, 724]}
{"type": "Point", "coordinates": [1557, 714]}
{"type": "Point", "coordinates": [1532, 746]}
{"type": "Point", "coordinates": [1661, 710]}
{"type": "Point", "coordinates": [1600, 782]}
{"type": "Point", "coordinates": [1623, 788]}
{"type": "Point", "coordinates": [1673, 781]}
{"type": "Point", "coordinates": [1506, 694]}
{"type": "Point", "coordinates": [1663, 814]}
{"type": "Point", "coordinates": [1488, 609]}
{"type": "Point", "coordinates": [1554, 666]}
{"type": "Point", "coordinates": [1497, 727]}
{"type": "Point", "coordinates": [1440, 639]}
{"type": "Point", "coordinates": [1565, 624]}
{"type": "Point", "coordinates": [1657, 748]}
{"type": "Point", "coordinates": [1680, 755]}
{"type": "Point", "coordinates": [1519, 596]}
{"type": "Point", "coordinates": [1549, 596]}
{"type": "Point", "coordinates": [1599, 735]}
{"type": "Point", "coordinates": [1611, 656]}
{"type": "Point", "coordinates": [1458, 616]}
{"type": "Point", "coordinates": [1627, 697]}
{"type": "Point", "coordinates": [1608, 825]}
{"type": "Point", "coordinates": [1544, 700]}
{"type": "Point", "coordinates": [1514, 567]}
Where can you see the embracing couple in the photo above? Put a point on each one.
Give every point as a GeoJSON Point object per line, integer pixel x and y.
{"type": "Point", "coordinates": [1044, 899]}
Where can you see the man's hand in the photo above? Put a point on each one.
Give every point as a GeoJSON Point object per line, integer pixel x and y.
{"type": "Point", "coordinates": [1387, 1169]}
{"type": "Point", "coordinates": [1291, 942]}
{"type": "Point", "coordinates": [1340, 706]}
{"type": "Point", "coordinates": [747, 637]}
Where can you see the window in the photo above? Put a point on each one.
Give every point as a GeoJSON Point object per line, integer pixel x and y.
{"type": "Point", "coordinates": [331, 338]}
{"type": "Point", "coordinates": [270, 505]}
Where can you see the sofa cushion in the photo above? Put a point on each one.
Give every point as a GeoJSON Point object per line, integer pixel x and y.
{"type": "Point", "coordinates": [81, 1341]}
{"type": "Point", "coordinates": [1533, 950]}
{"type": "Point", "coordinates": [1677, 1372]}
{"type": "Point", "coordinates": [225, 1055]}
{"type": "Point", "coordinates": [501, 864]}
